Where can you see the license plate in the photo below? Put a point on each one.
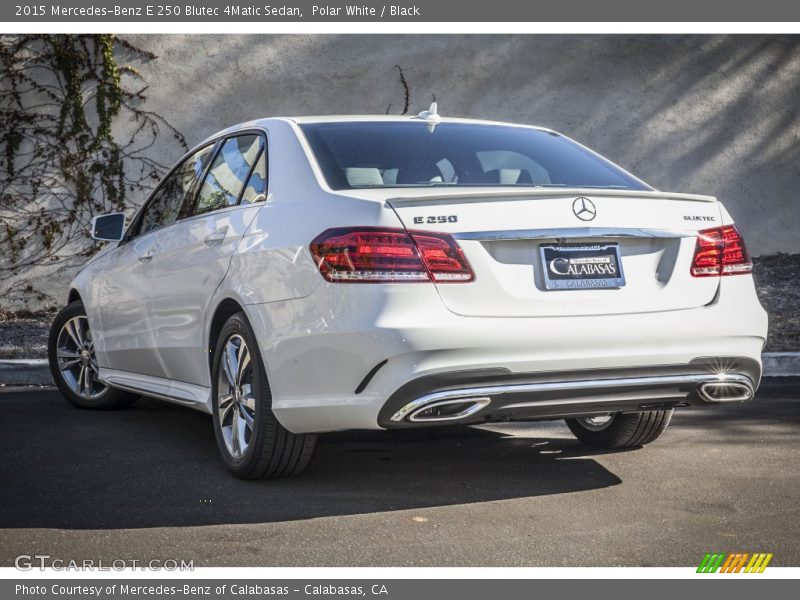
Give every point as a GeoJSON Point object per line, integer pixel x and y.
{"type": "Point", "coordinates": [582, 266]}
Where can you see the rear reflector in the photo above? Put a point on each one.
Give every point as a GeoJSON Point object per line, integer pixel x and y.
{"type": "Point", "coordinates": [383, 255]}
{"type": "Point", "coordinates": [720, 251]}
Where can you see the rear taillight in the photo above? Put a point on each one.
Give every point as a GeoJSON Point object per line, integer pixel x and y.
{"type": "Point", "coordinates": [720, 251]}
{"type": "Point", "coordinates": [383, 255]}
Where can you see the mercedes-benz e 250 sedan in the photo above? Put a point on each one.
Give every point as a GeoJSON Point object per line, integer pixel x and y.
{"type": "Point", "coordinates": [292, 276]}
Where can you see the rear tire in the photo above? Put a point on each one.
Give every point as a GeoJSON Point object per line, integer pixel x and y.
{"type": "Point", "coordinates": [253, 444]}
{"type": "Point", "coordinates": [73, 366]}
{"type": "Point", "coordinates": [628, 430]}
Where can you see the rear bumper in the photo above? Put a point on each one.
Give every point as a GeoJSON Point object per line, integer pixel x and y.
{"type": "Point", "coordinates": [562, 395]}
{"type": "Point", "coordinates": [348, 356]}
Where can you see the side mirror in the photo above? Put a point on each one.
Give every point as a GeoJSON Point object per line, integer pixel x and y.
{"type": "Point", "coordinates": [108, 228]}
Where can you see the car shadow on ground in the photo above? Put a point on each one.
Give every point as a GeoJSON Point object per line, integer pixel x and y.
{"type": "Point", "coordinates": [156, 465]}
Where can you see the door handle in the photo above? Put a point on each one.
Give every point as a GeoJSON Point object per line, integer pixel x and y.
{"type": "Point", "coordinates": [147, 255]}
{"type": "Point", "coordinates": [217, 237]}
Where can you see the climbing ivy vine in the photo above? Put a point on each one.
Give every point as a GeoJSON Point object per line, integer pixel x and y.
{"type": "Point", "coordinates": [74, 142]}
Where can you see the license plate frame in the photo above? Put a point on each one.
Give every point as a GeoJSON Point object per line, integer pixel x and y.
{"type": "Point", "coordinates": [582, 257]}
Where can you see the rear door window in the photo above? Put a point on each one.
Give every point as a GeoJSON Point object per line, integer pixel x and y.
{"type": "Point", "coordinates": [256, 188]}
{"type": "Point", "coordinates": [228, 173]}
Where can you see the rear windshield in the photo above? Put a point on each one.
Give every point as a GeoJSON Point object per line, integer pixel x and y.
{"type": "Point", "coordinates": [385, 154]}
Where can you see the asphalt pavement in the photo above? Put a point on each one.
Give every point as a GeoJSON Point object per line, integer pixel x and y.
{"type": "Point", "coordinates": [146, 483]}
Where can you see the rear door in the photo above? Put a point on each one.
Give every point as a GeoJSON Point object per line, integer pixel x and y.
{"type": "Point", "coordinates": [194, 254]}
{"type": "Point", "coordinates": [512, 238]}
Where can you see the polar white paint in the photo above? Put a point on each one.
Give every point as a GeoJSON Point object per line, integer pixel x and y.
{"type": "Point", "coordinates": [151, 300]}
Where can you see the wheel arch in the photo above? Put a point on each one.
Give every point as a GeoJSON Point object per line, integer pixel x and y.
{"type": "Point", "coordinates": [73, 296]}
{"type": "Point", "coordinates": [226, 308]}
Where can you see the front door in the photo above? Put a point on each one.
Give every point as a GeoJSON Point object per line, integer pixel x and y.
{"type": "Point", "coordinates": [125, 303]}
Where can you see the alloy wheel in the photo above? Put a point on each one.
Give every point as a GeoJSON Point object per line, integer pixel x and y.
{"type": "Point", "coordinates": [76, 360]}
{"type": "Point", "coordinates": [598, 423]}
{"type": "Point", "coordinates": [236, 403]}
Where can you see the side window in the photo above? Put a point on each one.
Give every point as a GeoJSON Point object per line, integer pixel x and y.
{"type": "Point", "coordinates": [165, 205]}
{"type": "Point", "coordinates": [227, 175]}
{"type": "Point", "coordinates": [256, 188]}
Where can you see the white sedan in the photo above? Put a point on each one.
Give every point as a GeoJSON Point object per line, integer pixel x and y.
{"type": "Point", "coordinates": [292, 276]}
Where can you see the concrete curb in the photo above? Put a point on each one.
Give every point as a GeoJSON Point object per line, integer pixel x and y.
{"type": "Point", "coordinates": [36, 372]}
{"type": "Point", "coordinates": [26, 371]}
{"type": "Point", "coordinates": [781, 364]}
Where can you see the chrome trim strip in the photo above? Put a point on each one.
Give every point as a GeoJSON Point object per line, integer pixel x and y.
{"type": "Point", "coordinates": [571, 233]}
{"type": "Point", "coordinates": [466, 194]}
{"type": "Point", "coordinates": [478, 404]}
{"type": "Point", "coordinates": [179, 392]}
{"type": "Point", "coordinates": [115, 383]}
{"type": "Point", "coordinates": [562, 386]}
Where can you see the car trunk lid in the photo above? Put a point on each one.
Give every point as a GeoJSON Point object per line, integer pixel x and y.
{"type": "Point", "coordinates": [508, 235]}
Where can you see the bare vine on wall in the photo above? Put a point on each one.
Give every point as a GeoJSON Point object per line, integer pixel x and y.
{"type": "Point", "coordinates": [406, 92]}
{"type": "Point", "coordinates": [64, 99]}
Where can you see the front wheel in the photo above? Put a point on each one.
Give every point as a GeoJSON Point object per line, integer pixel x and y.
{"type": "Point", "coordinates": [73, 366]}
{"type": "Point", "coordinates": [620, 430]}
{"type": "Point", "coordinates": [252, 442]}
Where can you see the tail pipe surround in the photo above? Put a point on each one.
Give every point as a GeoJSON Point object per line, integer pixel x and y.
{"type": "Point", "coordinates": [726, 391]}
{"type": "Point", "coordinates": [447, 410]}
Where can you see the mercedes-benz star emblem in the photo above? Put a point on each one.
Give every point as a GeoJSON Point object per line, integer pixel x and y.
{"type": "Point", "coordinates": [584, 209]}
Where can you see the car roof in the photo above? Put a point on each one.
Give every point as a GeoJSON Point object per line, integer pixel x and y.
{"type": "Point", "coordinates": [302, 120]}
{"type": "Point", "coordinates": [401, 119]}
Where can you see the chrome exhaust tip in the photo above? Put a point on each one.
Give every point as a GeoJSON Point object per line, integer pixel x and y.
{"type": "Point", "coordinates": [725, 391]}
{"type": "Point", "coordinates": [448, 410]}
{"type": "Point", "coordinates": [443, 410]}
